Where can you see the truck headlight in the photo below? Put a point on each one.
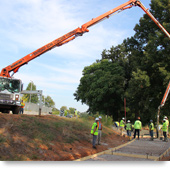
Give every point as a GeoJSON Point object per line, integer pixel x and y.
{"type": "Point", "coordinates": [16, 97]}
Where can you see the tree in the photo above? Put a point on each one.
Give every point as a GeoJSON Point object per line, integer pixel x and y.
{"type": "Point", "coordinates": [49, 102]}
{"type": "Point", "coordinates": [137, 92]}
{"type": "Point", "coordinates": [33, 98]}
{"type": "Point", "coordinates": [63, 108]}
{"type": "Point", "coordinates": [71, 110]}
{"type": "Point", "coordinates": [101, 87]}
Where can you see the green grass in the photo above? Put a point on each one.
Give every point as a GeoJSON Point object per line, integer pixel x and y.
{"type": "Point", "coordinates": [2, 139]}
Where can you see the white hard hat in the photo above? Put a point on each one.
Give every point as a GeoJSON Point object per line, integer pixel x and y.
{"type": "Point", "coordinates": [165, 117]}
{"type": "Point", "coordinates": [123, 118]}
{"type": "Point", "coordinates": [128, 121]}
{"type": "Point", "coordinates": [97, 118]}
{"type": "Point", "coordinates": [100, 117]}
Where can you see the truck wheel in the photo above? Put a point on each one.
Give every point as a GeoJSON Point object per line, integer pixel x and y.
{"type": "Point", "coordinates": [16, 110]}
{"type": "Point", "coordinates": [6, 111]}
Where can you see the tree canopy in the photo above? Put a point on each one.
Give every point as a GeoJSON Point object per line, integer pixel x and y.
{"type": "Point", "coordinates": [102, 87]}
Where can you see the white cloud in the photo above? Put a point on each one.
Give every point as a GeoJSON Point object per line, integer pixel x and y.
{"type": "Point", "coordinates": [39, 22]}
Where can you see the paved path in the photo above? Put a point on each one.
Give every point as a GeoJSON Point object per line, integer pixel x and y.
{"type": "Point", "coordinates": [138, 150]}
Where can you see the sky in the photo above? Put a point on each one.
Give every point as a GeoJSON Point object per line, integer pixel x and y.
{"type": "Point", "coordinates": [28, 25]}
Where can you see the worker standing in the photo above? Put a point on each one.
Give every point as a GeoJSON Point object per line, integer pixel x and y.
{"type": "Point", "coordinates": [167, 122]}
{"type": "Point", "coordinates": [94, 132]}
{"type": "Point", "coordinates": [164, 129]}
{"type": "Point", "coordinates": [137, 127]}
{"type": "Point", "coordinates": [65, 112]}
{"type": "Point", "coordinates": [99, 123]}
{"type": "Point", "coordinates": [151, 129]}
{"type": "Point", "coordinates": [75, 113]}
{"type": "Point", "coordinates": [22, 107]}
{"type": "Point", "coordinates": [122, 125]}
{"type": "Point", "coordinates": [128, 129]}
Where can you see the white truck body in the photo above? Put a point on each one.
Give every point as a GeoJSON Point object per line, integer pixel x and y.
{"type": "Point", "coordinates": [10, 95]}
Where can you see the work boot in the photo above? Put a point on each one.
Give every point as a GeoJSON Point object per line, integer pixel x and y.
{"type": "Point", "coordinates": [151, 139]}
{"type": "Point", "coordinates": [94, 147]}
{"type": "Point", "coordinates": [166, 139]}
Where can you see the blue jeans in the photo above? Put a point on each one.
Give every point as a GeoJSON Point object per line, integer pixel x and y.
{"type": "Point", "coordinates": [151, 133]}
{"type": "Point", "coordinates": [129, 132]}
{"type": "Point", "coordinates": [21, 110]}
{"type": "Point", "coordinates": [94, 140]}
{"type": "Point", "coordinates": [138, 132]}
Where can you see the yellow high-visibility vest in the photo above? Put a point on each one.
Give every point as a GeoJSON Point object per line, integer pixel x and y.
{"type": "Point", "coordinates": [93, 127]}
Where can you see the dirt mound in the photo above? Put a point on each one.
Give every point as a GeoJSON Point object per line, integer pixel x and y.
{"type": "Point", "coordinates": [50, 138]}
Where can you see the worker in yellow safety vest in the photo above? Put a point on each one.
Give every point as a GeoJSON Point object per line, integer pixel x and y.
{"type": "Point", "coordinates": [65, 112]}
{"type": "Point", "coordinates": [167, 122]}
{"type": "Point", "coordinates": [94, 132]}
{"type": "Point", "coordinates": [116, 125]}
{"type": "Point", "coordinates": [75, 113]}
{"type": "Point", "coordinates": [164, 129]}
{"type": "Point", "coordinates": [151, 129]}
{"type": "Point", "coordinates": [99, 124]}
{"type": "Point", "coordinates": [22, 107]}
{"type": "Point", "coordinates": [137, 127]}
{"type": "Point", "coordinates": [122, 125]}
{"type": "Point", "coordinates": [129, 129]}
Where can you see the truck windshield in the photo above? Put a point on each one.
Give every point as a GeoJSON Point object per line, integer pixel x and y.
{"type": "Point", "coordinates": [12, 85]}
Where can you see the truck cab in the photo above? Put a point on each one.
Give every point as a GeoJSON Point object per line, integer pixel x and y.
{"type": "Point", "coordinates": [10, 95]}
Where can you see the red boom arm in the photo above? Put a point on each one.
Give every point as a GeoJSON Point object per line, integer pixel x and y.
{"type": "Point", "coordinates": [73, 34]}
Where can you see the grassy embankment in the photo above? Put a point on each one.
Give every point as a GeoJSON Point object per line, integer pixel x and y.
{"type": "Point", "coordinates": [24, 137]}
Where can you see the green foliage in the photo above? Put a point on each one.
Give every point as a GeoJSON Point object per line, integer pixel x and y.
{"type": "Point", "coordinates": [49, 102]}
{"type": "Point", "coordinates": [101, 87]}
{"type": "Point", "coordinates": [2, 139]}
{"type": "Point", "coordinates": [63, 108]}
{"type": "Point", "coordinates": [33, 98]}
{"type": "Point", "coordinates": [106, 120]}
{"type": "Point", "coordinates": [71, 110]}
{"type": "Point", "coordinates": [55, 111]}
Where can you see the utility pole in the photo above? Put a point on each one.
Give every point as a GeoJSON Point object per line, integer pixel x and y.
{"type": "Point", "coordinates": [31, 90]}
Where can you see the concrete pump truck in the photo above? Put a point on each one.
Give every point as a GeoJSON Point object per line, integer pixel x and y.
{"type": "Point", "coordinates": [10, 88]}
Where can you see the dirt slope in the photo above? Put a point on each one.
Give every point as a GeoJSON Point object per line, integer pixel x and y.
{"type": "Point", "coordinates": [49, 138]}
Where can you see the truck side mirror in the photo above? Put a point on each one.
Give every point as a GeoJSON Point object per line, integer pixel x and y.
{"type": "Point", "coordinates": [22, 85]}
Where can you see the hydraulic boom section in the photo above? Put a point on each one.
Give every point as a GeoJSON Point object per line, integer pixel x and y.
{"type": "Point", "coordinates": [161, 105]}
{"type": "Point", "coordinates": [165, 96]}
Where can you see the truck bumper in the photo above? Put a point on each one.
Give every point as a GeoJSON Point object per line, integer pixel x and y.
{"type": "Point", "coordinates": [9, 103]}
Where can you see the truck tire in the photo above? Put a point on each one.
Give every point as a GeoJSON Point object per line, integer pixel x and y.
{"type": "Point", "coordinates": [15, 110]}
{"type": "Point", "coordinates": [6, 111]}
